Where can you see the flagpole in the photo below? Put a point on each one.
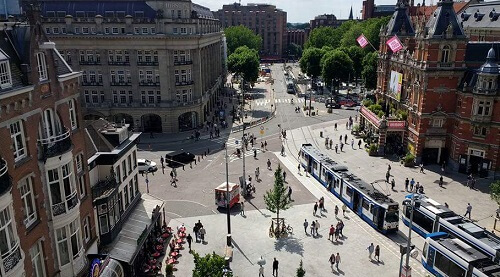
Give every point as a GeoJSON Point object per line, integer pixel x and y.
{"type": "Point", "coordinates": [367, 41]}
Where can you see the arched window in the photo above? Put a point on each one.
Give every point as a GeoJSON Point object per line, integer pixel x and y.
{"type": "Point", "coordinates": [445, 54]}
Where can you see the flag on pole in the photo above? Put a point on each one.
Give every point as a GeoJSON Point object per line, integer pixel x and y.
{"type": "Point", "coordinates": [394, 44]}
{"type": "Point", "coordinates": [362, 41]}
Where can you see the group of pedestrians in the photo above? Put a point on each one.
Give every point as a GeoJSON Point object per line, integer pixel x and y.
{"type": "Point", "coordinates": [373, 250]}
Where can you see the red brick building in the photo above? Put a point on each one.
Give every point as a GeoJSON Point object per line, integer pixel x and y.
{"type": "Point", "coordinates": [46, 214]}
{"type": "Point", "coordinates": [448, 87]}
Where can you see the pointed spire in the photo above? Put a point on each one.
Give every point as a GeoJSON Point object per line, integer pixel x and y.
{"type": "Point", "coordinates": [351, 17]}
{"type": "Point", "coordinates": [491, 65]}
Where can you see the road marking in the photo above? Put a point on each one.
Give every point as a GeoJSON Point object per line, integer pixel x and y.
{"type": "Point", "coordinates": [190, 201]}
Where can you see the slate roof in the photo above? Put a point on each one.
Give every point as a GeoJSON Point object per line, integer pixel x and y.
{"type": "Point", "coordinates": [202, 12]}
{"type": "Point", "coordinates": [482, 15]}
{"type": "Point", "coordinates": [476, 52]}
{"type": "Point", "coordinates": [15, 44]}
{"type": "Point", "coordinates": [479, 56]}
{"type": "Point", "coordinates": [92, 8]}
{"type": "Point", "coordinates": [95, 140]}
{"type": "Point", "coordinates": [444, 19]}
{"type": "Point", "coordinates": [400, 23]}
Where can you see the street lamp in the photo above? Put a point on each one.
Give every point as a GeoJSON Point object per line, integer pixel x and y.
{"type": "Point", "coordinates": [228, 213]}
{"type": "Point", "coordinates": [408, 247]}
{"type": "Point", "coordinates": [147, 181]}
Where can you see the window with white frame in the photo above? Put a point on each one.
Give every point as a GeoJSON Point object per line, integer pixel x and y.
{"type": "Point", "coordinates": [18, 140]}
{"type": "Point", "coordinates": [41, 66]}
{"type": "Point", "coordinates": [143, 97]}
{"type": "Point", "coordinates": [480, 131]}
{"type": "Point", "coordinates": [136, 30]}
{"type": "Point", "coordinates": [76, 244]}
{"type": "Point", "coordinates": [62, 188]}
{"type": "Point", "coordinates": [129, 163]}
{"type": "Point", "coordinates": [79, 163]}
{"type": "Point", "coordinates": [131, 190]}
{"type": "Point", "coordinates": [123, 97]}
{"type": "Point", "coordinates": [445, 54]}
{"type": "Point", "coordinates": [87, 96]}
{"type": "Point", "coordinates": [72, 114]}
{"type": "Point", "coordinates": [86, 229]}
{"type": "Point", "coordinates": [130, 97]}
{"type": "Point", "coordinates": [136, 184]}
{"type": "Point", "coordinates": [5, 75]}
{"type": "Point", "coordinates": [125, 195]}
{"type": "Point", "coordinates": [151, 97]}
{"type": "Point", "coordinates": [483, 108]}
{"type": "Point", "coordinates": [69, 242]}
{"type": "Point", "coordinates": [114, 30]}
{"type": "Point", "coordinates": [38, 260]}
{"type": "Point", "coordinates": [95, 97]}
{"type": "Point", "coordinates": [9, 241]}
{"type": "Point", "coordinates": [81, 186]}
{"type": "Point", "coordinates": [177, 77]}
{"type": "Point", "coordinates": [158, 97]}
{"type": "Point", "coordinates": [28, 199]}
{"type": "Point", "coordinates": [144, 30]}
{"type": "Point", "coordinates": [437, 122]}
{"type": "Point", "coordinates": [124, 169]}
{"type": "Point", "coordinates": [115, 97]}
{"type": "Point", "coordinates": [134, 158]}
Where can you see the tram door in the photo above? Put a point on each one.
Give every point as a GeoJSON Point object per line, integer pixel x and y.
{"type": "Point", "coordinates": [378, 216]}
{"type": "Point", "coordinates": [355, 201]}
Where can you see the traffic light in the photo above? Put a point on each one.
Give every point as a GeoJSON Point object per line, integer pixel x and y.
{"type": "Point", "coordinates": [402, 248]}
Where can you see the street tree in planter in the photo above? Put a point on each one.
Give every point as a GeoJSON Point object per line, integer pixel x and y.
{"type": "Point", "coordinates": [495, 192]}
{"type": "Point", "coordinates": [300, 271]}
{"type": "Point", "coordinates": [212, 265]}
{"type": "Point", "coordinates": [244, 62]}
{"type": "Point", "coordinates": [277, 199]}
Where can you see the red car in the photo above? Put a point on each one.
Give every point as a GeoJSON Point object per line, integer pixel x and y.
{"type": "Point", "coordinates": [347, 103]}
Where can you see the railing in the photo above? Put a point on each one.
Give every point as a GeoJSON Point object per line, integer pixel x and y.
{"type": "Point", "coordinates": [55, 145]}
{"type": "Point", "coordinates": [442, 64]}
{"type": "Point", "coordinates": [103, 186]}
{"type": "Point", "coordinates": [12, 259]}
{"type": "Point", "coordinates": [183, 62]}
{"type": "Point", "coordinates": [121, 83]}
{"type": "Point", "coordinates": [89, 62]}
{"type": "Point", "coordinates": [147, 63]}
{"type": "Point", "coordinates": [118, 63]}
{"type": "Point", "coordinates": [73, 201]}
{"type": "Point", "coordinates": [149, 83]}
{"type": "Point", "coordinates": [186, 83]}
{"type": "Point", "coordinates": [480, 118]}
{"type": "Point", "coordinates": [5, 179]}
{"type": "Point", "coordinates": [58, 209]}
{"type": "Point", "coordinates": [87, 84]}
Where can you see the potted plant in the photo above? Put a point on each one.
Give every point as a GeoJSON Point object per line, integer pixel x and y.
{"type": "Point", "coordinates": [373, 149]}
{"type": "Point", "coordinates": [169, 270]}
{"type": "Point", "coordinates": [409, 160]}
{"type": "Point", "coordinates": [355, 130]}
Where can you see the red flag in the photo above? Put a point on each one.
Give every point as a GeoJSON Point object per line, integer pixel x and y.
{"type": "Point", "coordinates": [394, 44]}
{"type": "Point", "coordinates": [362, 41]}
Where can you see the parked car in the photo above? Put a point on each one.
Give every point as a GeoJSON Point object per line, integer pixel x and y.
{"type": "Point", "coordinates": [329, 103]}
{"type": "Point", "coordinates": [146, 165]}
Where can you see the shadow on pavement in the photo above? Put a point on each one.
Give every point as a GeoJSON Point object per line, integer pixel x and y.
{"type": "Point", "coordinates": [290, 244]}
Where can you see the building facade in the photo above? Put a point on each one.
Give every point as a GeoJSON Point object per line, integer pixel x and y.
{"type": "Point", "coordinates": [447, 85]}
{"type": "Point", "coordinates": [157, 65]}
{"type": "Point", "coordinates": [296, 36]}
{"type": "Point", "coordinates": [371, 10]}
{"type": "Point", "coordinates": [264, 19]}
{"type": "Point", "coordinates": [46, 217]}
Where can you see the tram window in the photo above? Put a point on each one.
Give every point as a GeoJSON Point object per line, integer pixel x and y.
{"type": "Point", "coordinates": [422, 221]}
{"type": "Point", "coordinates": [448, 267]}
{"type": "Point", "coordinates": [348, 191]}
{"type": "Point", "coordinates": [371, 209]}
{"type": "Point", "coordinates": [315, 165]}
{"type": "Point", "coordinates": [366, 205]}
{"type": "Point", "coordinates": [424, 252]}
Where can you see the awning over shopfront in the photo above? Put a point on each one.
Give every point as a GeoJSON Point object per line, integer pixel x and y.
{"type": "Point", "coordinates": [370, 116]}
{"type": "Point", "coordinates": [136, 228]}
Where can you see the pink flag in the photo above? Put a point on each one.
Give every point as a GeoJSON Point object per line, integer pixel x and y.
{"type": "Point", "coordinates": [394, 44]}
{"type": "Point", "coordinates": [362, 41]}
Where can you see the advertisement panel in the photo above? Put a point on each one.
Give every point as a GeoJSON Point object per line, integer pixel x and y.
{"type": "Point", "coordinates": [395, 83]}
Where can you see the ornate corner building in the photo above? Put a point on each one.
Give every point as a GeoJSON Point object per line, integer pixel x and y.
{"type": "Point", "coordinates": [46, 215]}
{"type": "Point", "coordinates": [158, 65]}
{"type": "Point", "coordinates": [446, 81]}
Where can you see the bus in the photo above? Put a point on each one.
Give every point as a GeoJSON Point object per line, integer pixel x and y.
{"type": "Point", "coordinates": [430, 216]}
{"type": "Point", "coordinates": [374, 207]}
{"type": "Point", "coordinates": [290, 86]}
{"type": "Point", "coordinates": [444, 256]}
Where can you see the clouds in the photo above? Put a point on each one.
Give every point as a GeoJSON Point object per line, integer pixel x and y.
{"type": "Point", "coordinates": [303, 10]}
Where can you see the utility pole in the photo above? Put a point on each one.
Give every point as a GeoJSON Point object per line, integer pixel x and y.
{"type": "Point", "coordinates": [408, 242]}
{"type": "Point", "coordinates": [243, 140]}
{"type": "Point", "coordinates": [310, 95]}
{"type": "Point", "coordinates": [228, 213]}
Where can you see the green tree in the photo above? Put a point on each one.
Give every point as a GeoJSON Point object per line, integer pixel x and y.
{"type": "Point", "coordinates": [369, 72]}
{"type": "Point", "coordinates": [211, 265]}
{"type": "Point", "coordinates": [349, 37]}
{"type": "Point", "coordinates": [244, 62]}
{"type": "Point", "coordinates": [495, 191]}
{"type": "Point", "coordinates": [277, 199]}
{"type": "Point", "coordinates": [371, 30]}
{"type": "Point", "coordinates": [356, 54]}
{"type": "Point", "coordinates": [310, 62]}
{"type": "Point", "coordinates": [237, 36]}
{"type": "Point", "coordinates": [300, 271]}
{"type": "Point", "coordinates": [323, 36]}
{"type": "Point", "coordinates": [336, 65]}
{"type": "Point", "coordinates": [294, 50]}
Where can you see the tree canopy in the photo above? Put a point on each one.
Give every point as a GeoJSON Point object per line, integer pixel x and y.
{"type": "Point", "coordinates": [277, 199]}
{"type": "Point", "coordinates": [237, 36]}
{"type": "Point", "coordinates": [244, 62]}
{"type": "Point", "coordinates": [323, 36]}
{"type": "Point", "coordinates": [336, 65]}
{"type": "Point", "coordinates": [495, 191]}
{"type": "Point", "coordinates": [294, 50]}
{"type": "Point", "coordinates": [310, 62]}
{"type": "Point", "coordinates": [369, 72]}
{"type": "Point", "coordinates": [212, 265]}
{"type": "Point", "coordinates": [356, 54]}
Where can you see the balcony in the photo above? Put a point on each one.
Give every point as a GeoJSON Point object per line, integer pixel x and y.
{"type": "Point", "coordinates": [103, 189]}
{"type": "Point", "coordinates": [89, 62]}
{"type": "Point", "coordinates": [118, 63]}
{"type": "Point", "coordinates": [11, 260]}
{"type": "Point", "coordinates": [185, 83]}
{"type": "Point", "coordinates": [449, 64]}
{"type": "Point", "coordinates": [478, 118]}
{"type": "Point", "coordinates": [147, 63]}
{"type": "Point", "coordinates": [115, 84]}
{"type": "Point", "coordinates": [149, 83]}
{"type": "Point", "coordinates": [183, 62]}
{"type": "Point", "coordinates": [60, 208]}
{"type": "Point", "coordinates": [5, 180]}
{"type": "Point", "coordinates": [91, 84]}
{"type": "Point", "coordinates": [55, 145]}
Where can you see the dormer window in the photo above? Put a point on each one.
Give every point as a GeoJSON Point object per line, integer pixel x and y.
{"type": "Point", "coordinates": [445, 54]}
{"type": "Point", "coordinates": [5, 76]}
{"type": "Point", "coordinates": [42, 66]}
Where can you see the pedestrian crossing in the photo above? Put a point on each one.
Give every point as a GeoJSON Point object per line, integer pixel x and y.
{"type": "Point", "coordinates": [265, 102]}
{"type": "Point", "coordinates": [232, 144]}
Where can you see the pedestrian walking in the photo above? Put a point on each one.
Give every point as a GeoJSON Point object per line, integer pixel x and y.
{"type": "Point", "coordinates": [313, 228]}
{"type": "Point", "coordinates": [265, 145]}
{"type": "Point", "coordinates": [162, 161]}
{"type": "Point", "coordinates": [338, 231]}
{"type": "Point", "coordinates": [282, 150]}
{"type": "Point", "coordinates": [417, 187]}
{"type": "Point", "coordinates": [336, 148]}
{"type": "Point", "coordinates": [261, 271]}
{"type": "Point", "coordinates": [315, 209]}
{"type": "Point", "coordinates": [347, 125]}
{"type": "Point", "coordinates": [284, 176]}
{"type": "Point", "coordinates": [352, 143]}
{"type": "Point", "coordinates": [189, 239]}
{"type": "Point", "coordinates": [331, 233]}
{"type": "Point", "coordinates": [335, 126]}
{"type": "Point", "coordinates": [331, 142]}
{"type": "Point", "coordinates": [370, 249]}
{"type": "Point", "coordinates": [340, 139]}
{"type": "Point", "coordinates": [359, 144]}
{"type": "Point", "coordinates": [336, 211]}
{"type": "Point", "coordinates": [344, 209]}
{"type": "Point", "coordinates": [407, 182]}
{"type": "Point", "coordinates": [441, 181]}
{"type": "Point", "coordinates": [289, 193]}
{"type": "Point", "coordinates": [393, 184]}
{"type": "Point", "coordinates": [341, 147]}
{"type": "Point", "coordinates": [345, 139]}
{"type": "Point", "coordinates": [316, 227]}
{"type": "Point", "coordinates": [412, 183]}
{"type": "Point", "coordinates": [275, 267]}
{"type": "Point", "coordinates": [377, 253]}
{"type": "Point", "coordinates": [387, 175]}
{"type": "Point", "coordinates": [468, 210]}
{"type": "Point", "coordinates": [298, 168]}
{"type": "Point", "coordinates": [242, 208]}
{"type": "Point", "coordinates": [332, 260]}
{"type": "Point", "coordinates": [257, 173]}
{"type": "Point", "coordinates": [421, 168]}
{"type": "Point", "coordinates": [337, 261]}
{"type": "Point", "coordinates": [203, 232]}
{"type": "Point", "coordinates": [269, 164]}
{"type": "Point", "coordinates": [305, 225]}
{"type": "Point", "coordinates": [389, 168]}
{"type": "Point", "coordinates": [261, 145]}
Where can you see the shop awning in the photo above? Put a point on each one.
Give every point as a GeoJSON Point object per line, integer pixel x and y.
{"type": "Point", "coordinates": [136, 228]}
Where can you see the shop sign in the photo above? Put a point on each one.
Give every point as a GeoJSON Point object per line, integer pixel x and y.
{"type": "Point", "coordinates": [95, 268]}
{"type": "Point", "coordinates": [400, 125]}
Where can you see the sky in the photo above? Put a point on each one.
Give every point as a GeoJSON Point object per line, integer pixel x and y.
{"type": "Point", "coordinates": [301, 11]}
